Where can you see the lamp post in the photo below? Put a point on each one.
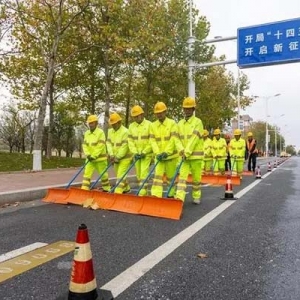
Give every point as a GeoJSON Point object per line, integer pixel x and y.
{"type": "Point", "coordinates": [267, 132]}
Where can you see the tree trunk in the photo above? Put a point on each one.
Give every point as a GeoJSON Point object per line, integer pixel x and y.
{"type": "Point", "coordinates": [51, 118]}
{"type": "Point", "coordinates": [107, 98]}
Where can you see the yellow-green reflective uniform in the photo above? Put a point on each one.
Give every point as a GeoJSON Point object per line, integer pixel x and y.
{"type": "Point", "coordinates": [117, 146]}
{"type": "Point", "coordinates": [219, 153]}
{"type": "Point", "coordinates": [190, 135]}
{"type": "Point", "coordinates": [237, 150]}
{"type": "Point", "coordinates": [94, 145]}
{"type": "Point", "coordinates": [164, 138]}
{"type": "Point", "coordinates": [207, 159]}
{"type": "Point", "coordinates": [139, 143]}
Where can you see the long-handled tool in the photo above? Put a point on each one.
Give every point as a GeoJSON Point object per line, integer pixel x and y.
{"type": "Point", "coordinates": [57, 195]}
{"type": "Point", "coordinates": [101, 175]}
{"type": "Point", "coordinates": [148, 176]}
{"type": "Point", "coordinates": [174, 177]}
{"type": "Point", "coordinates": [123, 176]}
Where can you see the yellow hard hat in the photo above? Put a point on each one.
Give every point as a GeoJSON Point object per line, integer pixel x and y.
{"type": "Point", "coordinates": [217, 131]}
{"type": "Point", "coordinates": [92, 118]}
{"type": "Point", "coordinates": [189, 102]}
{"type": "Point", "coordinates": [114, 118]}
{"type": "Point", "coordinates": [250, 134]}
{"type": "Point", "coordinates": [159, 107]}
{"type": "Point", "coordinates": [237, 132]}
{"type": "Point", "coordinates": [205, 132]}
{"type": "Point", "coordinates": [136, 111]}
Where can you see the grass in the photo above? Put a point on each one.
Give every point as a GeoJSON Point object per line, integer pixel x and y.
{"type": "Point", "coordinates": [10, 162]}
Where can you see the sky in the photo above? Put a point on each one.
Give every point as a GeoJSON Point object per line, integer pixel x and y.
{"type": "Point", "coordinates": [225, 17]}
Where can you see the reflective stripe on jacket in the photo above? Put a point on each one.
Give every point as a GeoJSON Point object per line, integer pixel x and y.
{"type": "Point", "coordinates": [207, 148]}
{"type": "Point", "coordinates": [94, 144]}
{"type": "Point", "coordinates": [139, 138]}
{"type": "Point", "coordinates": [164, 138]}
{"type": "Point", "coordinates": [190, 135]}
{"type": "Point", "coordinates": [237, 148]}
{"type": "Point", "coordinates": [117, 143]}
{"type": "Point", "coordinates": [219, 148]}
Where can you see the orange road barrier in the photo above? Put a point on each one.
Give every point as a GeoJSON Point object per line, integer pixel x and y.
{"type": "Point", "coordinates": [247, 173]}
{"type": "Point", "coordinates": [258, 173]}
{"type": "Point", "coordinates": [83, 284]}
{"type": "Point", "coordinates": [228, 190]}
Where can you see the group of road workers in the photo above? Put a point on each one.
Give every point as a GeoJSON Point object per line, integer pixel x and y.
{"type": "Point", "coordinates": [178, 149]}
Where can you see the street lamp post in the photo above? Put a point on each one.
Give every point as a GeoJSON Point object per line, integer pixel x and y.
{"type": "Point", "coordinates": [267, 132]}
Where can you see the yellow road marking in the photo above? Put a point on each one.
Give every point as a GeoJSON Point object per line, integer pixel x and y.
{"type": "Point", "coordinates": [32, 259]}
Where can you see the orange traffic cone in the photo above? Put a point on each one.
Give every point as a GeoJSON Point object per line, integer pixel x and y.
{"type": "Point", "coordinates": [258, 173]}
{"type": "Point", "coordinates": [275, 164]}
{"type": "Point", "coordinates": [83, 284]}
{"type": "Point", "coordinates": [228, 190]}
{"type": "Point", "coordinates": [269, 167]}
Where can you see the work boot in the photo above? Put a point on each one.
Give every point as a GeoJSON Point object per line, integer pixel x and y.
{"type": "Point", "coordinates": [196, 201]}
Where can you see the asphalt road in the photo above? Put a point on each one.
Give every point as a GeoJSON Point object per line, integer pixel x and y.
{"type": "Point", "coordinates": [252, 245]}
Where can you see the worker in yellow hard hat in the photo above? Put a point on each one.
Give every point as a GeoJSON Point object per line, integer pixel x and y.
{"type": "Point", "coordinates": [208, 158]}
{"type": "Point", "coordinates": [118, 151]}
{"type": "Point", "coordinates": [165, 146]}
{"type": "Point", "coordinates": [251, 152]}
{"type": "Point", "coordinates": [139, 145]}
{"type": "Point", "coordinates": [190, 130]}
{"type": "Point", "coordinates": [237, 148]}
{"type": "Point", "coordinates": [219, 153]}
{"type": "Point", "coordinates": [94, 149]}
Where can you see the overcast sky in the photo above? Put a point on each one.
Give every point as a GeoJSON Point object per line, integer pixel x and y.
{"type": "Point", "coordinates": [225, 16]}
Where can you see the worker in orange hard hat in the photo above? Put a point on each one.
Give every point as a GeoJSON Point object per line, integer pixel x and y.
{"type": "Point", "coordinates": [118, 151]}
{"type": "Point", "coordinates": [237, 148]}
{"type": "Point", "coordinates": [251, 152]}
{"type": "Point", "coordinates": [94, 149]}
{"type": "Point", "coordinates": [228, 160]}
{"type": "Point", "coordinates": [219, 152]}
{"type": "Point", "coordinates": [165, 146]}
{"type": "Point", "coordinates": [139, 145]}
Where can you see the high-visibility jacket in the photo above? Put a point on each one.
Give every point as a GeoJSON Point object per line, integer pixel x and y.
{"type": "Point", "coordinates": [207, 145]}
{"type": "Point", "coordinates": [190, 134]}
{"type": "Point", "coordinates": [219, 148]}
{"type": "Point", "coordinates": [94, 144]}
{"type": "Point", "coordinates": [138, 138]}
{"type": "Point", "coordinates": [251, 146]}
{"type": "Point", "coordinates": [164, 138]}
{"type": "Point", "coordinates": [237, 148]}
{"type": "Point", "coordinates": [117, 143]}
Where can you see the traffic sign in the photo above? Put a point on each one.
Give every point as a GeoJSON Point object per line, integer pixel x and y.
{"type": "Point", "coordinates": [269, 44]}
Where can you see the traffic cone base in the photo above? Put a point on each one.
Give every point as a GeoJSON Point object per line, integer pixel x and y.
{"type": "Point", "coordinates": [269, 167]}
{"type": "Point", "coordinates": [258, 173]}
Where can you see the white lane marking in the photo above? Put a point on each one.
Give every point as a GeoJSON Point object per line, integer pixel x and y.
{"type": "Point", "coordinates": [17, 252]}
{"type": "Point", "coordinates": [121, 282]}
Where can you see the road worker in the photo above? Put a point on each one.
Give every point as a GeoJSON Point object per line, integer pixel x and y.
{"type": "Point", "coordinates": [94, 149]}
{"type": "Point", "coordinates": [219, 153]}
{"type": "Point", "coordinates": [208, 159]}
{"type": "Point", "coordinates": [237, 148]}
{"type": "Point", "coordinates": [139, 145]}
{"type": "Point", "coordinates": [251, 152]}
{"type": "Point", "coordinates": [191, 136]}
{"type": "Point", "coordinates": [228, 160]}
{"type": "Point", "coordinates": [165, 145]}
{"type": "Point", "coordinates": [118, 151]}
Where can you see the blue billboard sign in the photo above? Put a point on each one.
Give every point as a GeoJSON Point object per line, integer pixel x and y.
{"type": "Point", "coordinates": [269, 44]}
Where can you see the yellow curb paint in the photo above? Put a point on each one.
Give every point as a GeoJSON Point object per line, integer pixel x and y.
{"type": "Point", "coordinates": [32, 259]}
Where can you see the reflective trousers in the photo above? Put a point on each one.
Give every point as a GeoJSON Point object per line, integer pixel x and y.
{"type": "Point", "coordinates": [142, 171]}
{"type": "Point", "coordinates": [120, 168]}
{"type": "Point", "coordinates": [88, 173]}
{"type": "Point", "coordinates": [206, 166]}
{"type": "Point", "coordinates": [167, 167]}
{"type": "Point", "coordinates": [237, 167]}
{"type": "Point", "coordinates": [219, 166]}
{"type": "Point", "coordinates": [193, 167]}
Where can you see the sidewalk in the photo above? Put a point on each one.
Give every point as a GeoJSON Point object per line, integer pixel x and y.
{"type": "Point", "coordinates": [26, 186]}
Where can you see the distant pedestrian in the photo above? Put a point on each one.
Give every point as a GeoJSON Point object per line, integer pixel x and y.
{"type": "Point", "coordinates": [251, 152]}
{"type": "Point", "coordinates": [228, 160]}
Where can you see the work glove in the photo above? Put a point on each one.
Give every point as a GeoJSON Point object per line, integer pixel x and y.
{"type": "Point", "coordinates": [142, 155]}
{"type": "Point", "coordinates": [112, 159]}
{"type": "Point", "coordinates": [90, 158]}
{"type": "Point", "coordinates": [137, 156]}
{"type": "Point", "coordinates": [161, 156]}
